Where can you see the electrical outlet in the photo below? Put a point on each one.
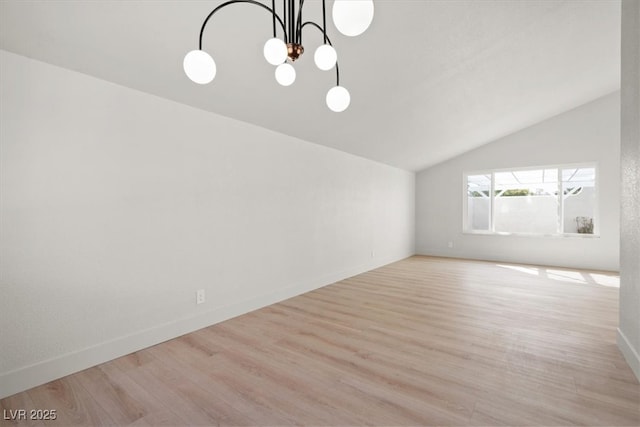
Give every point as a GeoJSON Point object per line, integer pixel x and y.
{"type": "Point", "coordinates": [450, 244]}
{"type": "Point", "coordinates": [373, 254]}
{"type": "Point", "coordinates": [200, 296]}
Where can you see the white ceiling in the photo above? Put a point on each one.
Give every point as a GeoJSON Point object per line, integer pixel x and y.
{"type": "Point", "coordinates": [428, 80]}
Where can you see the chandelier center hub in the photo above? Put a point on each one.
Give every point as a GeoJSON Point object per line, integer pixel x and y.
{"type": "Point", "coordinates": [294, 50]}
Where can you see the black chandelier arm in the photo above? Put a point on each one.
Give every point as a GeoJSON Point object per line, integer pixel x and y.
{"type": "Point", "coordinates": [230, 2]}
{"type": "Point", "coordinates": [324, 21]}
{"type": "Point", "coordinates": [328, 41]}
{"type": "Point", "coordinates": [273, 16]}
{"type": "Point", "coordinates": [284, 13]}
{"type": "Point", "coordinates": [292, 21]}
{"type": "Point", "coordinates": [288, 6]}
{"type": "Point", "coordinates": [298, 35]}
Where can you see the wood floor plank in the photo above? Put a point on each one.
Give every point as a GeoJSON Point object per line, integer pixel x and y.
{"type": "Point", "coordinates": [169, 391]}
{"type": "Point", "coordinates": [124, 404]}
{"type": "Point", "coordinates": [222, 393]}
{"type": "Point", "coordinates": [424, 341]}
{"type": "Point", "coordinates": [72, 403]}
{"type": "Point", "coordinates": [11, 407]}
{"type": "Point", "coordinates": [188, 399]}
{"type": "Point", "coordinates": [312, 381]}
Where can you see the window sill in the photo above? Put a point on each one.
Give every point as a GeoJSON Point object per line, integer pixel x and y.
{"type": "Point", "coordinates": [553, 236]}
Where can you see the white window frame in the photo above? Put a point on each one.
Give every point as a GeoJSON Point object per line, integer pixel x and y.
{"type": "Point", "coordinates": [466, 229]}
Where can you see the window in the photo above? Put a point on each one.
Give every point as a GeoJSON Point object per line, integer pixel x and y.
{"type": "Point", "coordinates": [542, 201]}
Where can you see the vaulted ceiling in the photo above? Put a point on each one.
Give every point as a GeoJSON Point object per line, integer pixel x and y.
{"type": "Point", "coordinates": [428, 80]}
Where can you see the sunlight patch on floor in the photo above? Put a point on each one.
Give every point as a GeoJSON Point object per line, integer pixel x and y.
{"type": "Point", "coordinates": [572, 276]}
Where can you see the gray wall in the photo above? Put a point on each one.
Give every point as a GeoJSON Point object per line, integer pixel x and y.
{"type": "Point", "coordinates": [629, 331]}
{"type": "Point", "coordinates": [117, 206]}
{"type": "Point", "coordinates": [589, 133]}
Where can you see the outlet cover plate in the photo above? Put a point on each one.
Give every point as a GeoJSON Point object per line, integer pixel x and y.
{"type": "Point", "coordinates": [200, 296]}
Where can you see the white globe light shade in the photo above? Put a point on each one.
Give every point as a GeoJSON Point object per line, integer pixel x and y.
{"type": "Point", "coordinates": [199, 66]}
{"type": "Point", "coordinates": [275, 51]}
{"type": "Point", "coordinates": [352, 17]}
{"type": "Point", "coordinates": [325, 57]}
{"type": "Point", "coordinates": [338, 99]}
{"type": "Point", "coordinates": [285, 74]}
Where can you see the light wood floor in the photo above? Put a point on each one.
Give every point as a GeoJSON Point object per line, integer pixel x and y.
{"type": "Point", "coordinates": [425, 341]}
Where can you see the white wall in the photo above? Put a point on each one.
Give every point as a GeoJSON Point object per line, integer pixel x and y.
{"type": "Point", "coordinates": [589, 133]}
{"type": "Point", "coordinates": [118, 205]}
{"type": "Point", "coordinates": [629, 330]}
{"type": "Point", "coordinates": [531, 214]}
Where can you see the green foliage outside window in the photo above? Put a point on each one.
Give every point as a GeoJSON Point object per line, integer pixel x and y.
{"type": "Point", "coordinates": [506, 193]}
{"type": "Point", "coordinates": [516, 192]}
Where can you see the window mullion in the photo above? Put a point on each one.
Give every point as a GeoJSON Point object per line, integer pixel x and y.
{"type": "Point", "coordinates": [492, 217]}
{"type": "Point", "coordinates": [560, 203]}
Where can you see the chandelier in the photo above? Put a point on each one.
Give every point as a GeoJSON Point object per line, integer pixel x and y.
{"type": "Point", "coordinates": [351, 18]}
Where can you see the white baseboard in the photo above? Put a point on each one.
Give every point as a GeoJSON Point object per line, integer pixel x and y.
{"type": "Point", "coordinates": [630, 354]}
{"type": "Point", "coordinates": [48, 370]}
